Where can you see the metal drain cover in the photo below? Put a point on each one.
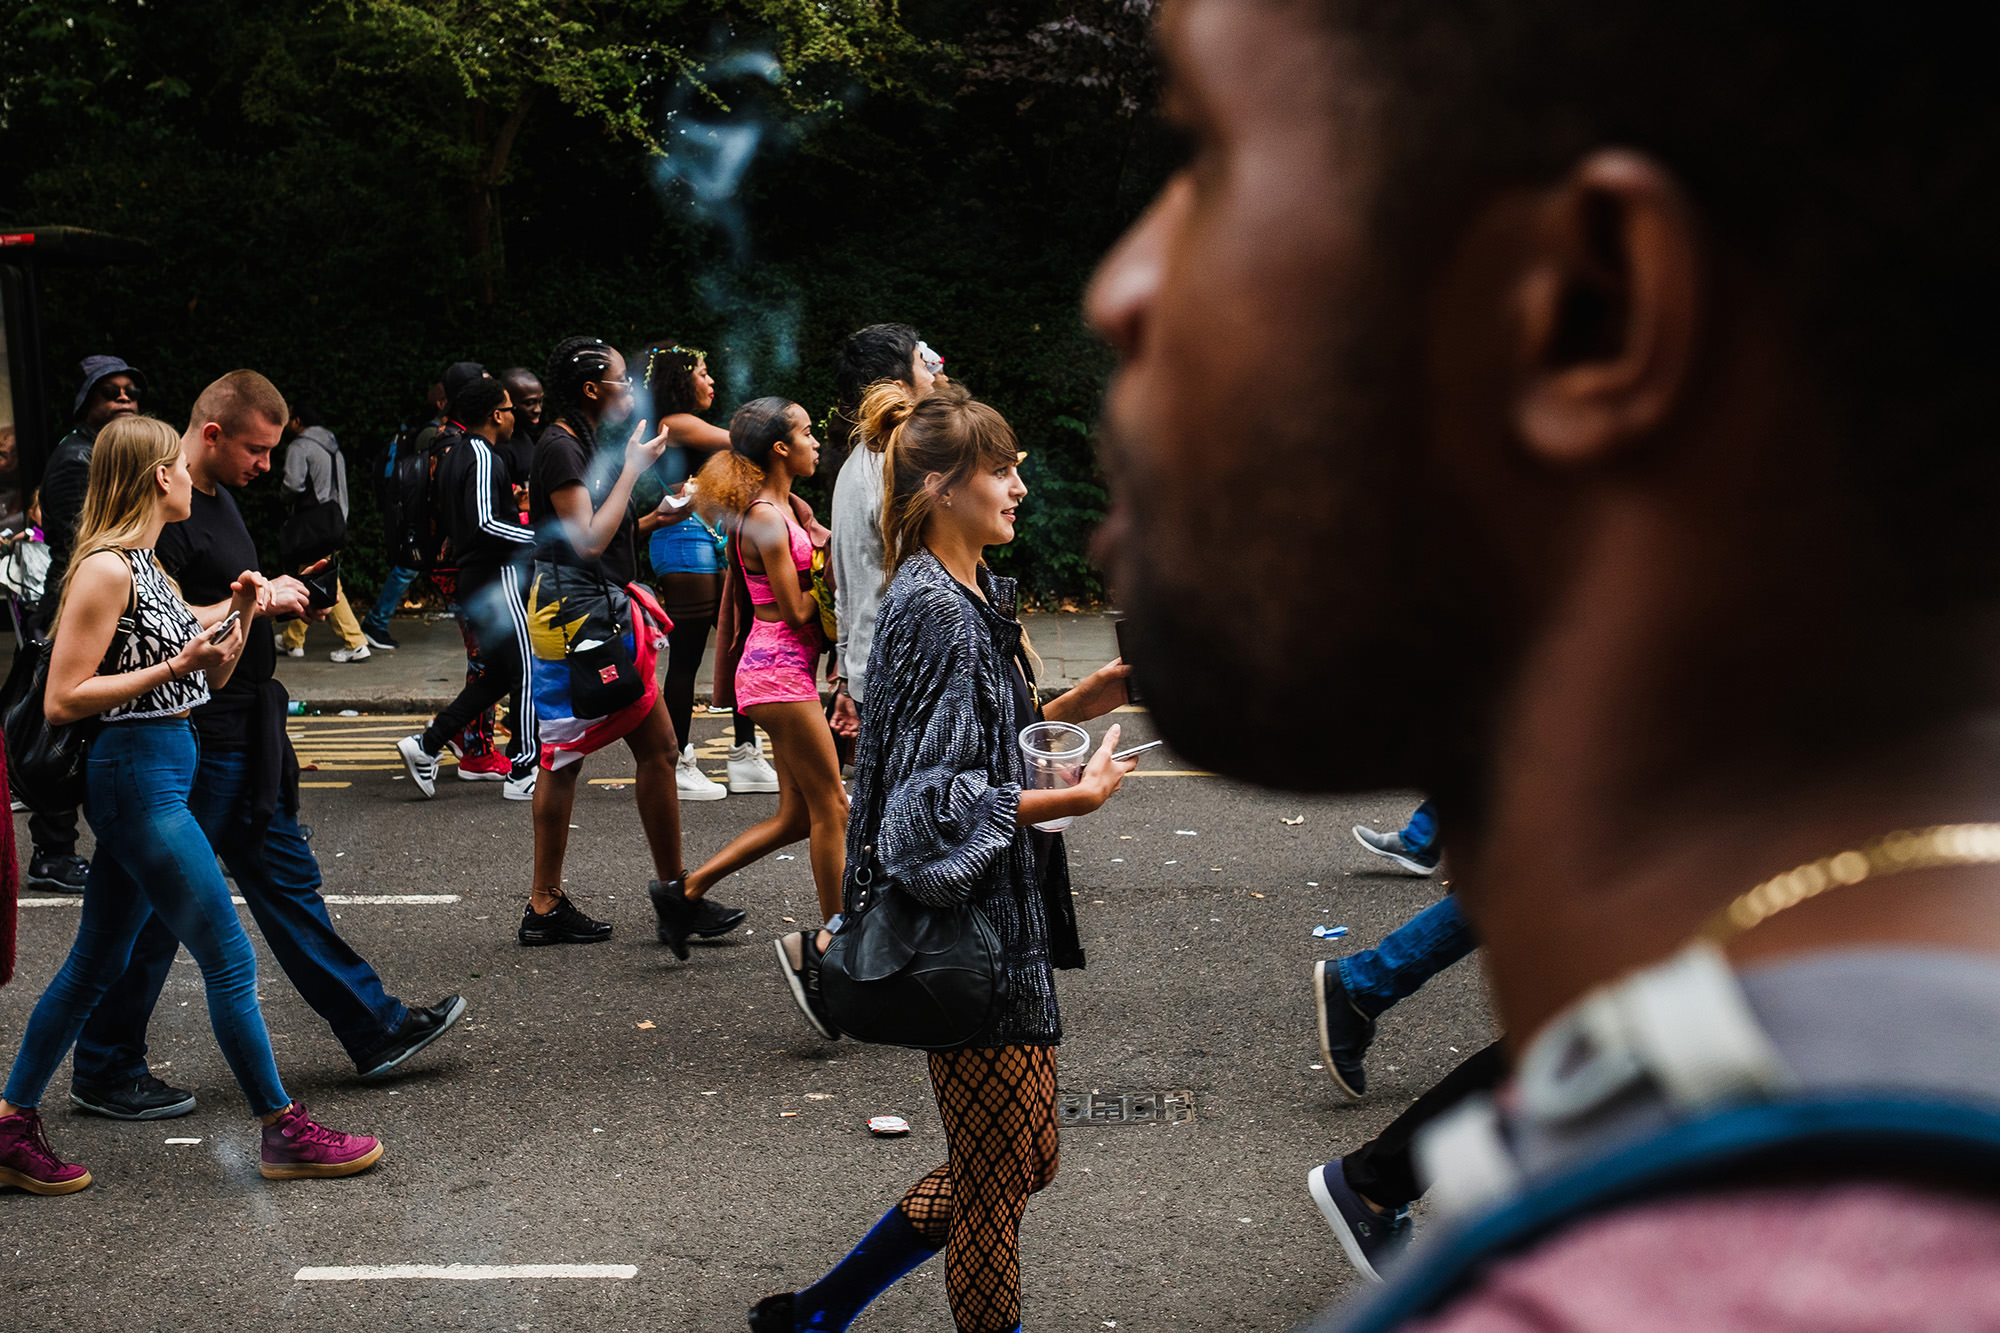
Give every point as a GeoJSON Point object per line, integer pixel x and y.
{"type": "Point", "coordinates": [1074, 1109]}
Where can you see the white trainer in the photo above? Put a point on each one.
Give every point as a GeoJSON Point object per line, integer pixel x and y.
{"type": "Point", "coordinates": [422, 765]}
{"type": "Point", "coordinates": [694, 784]}
{"type": "Point", "coordinates": [749, 771]}
{"type": "Point", "coordinates": [521, 788]}
{"type": "Point", "coordinates": [358, 653]}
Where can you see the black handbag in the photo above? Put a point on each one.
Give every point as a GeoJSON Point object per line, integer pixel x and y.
{"type": "Point", "coordinates": [603, 678]}
{"type": "Point", "coordinates": [45, 761]}
{"type": "Point", "coordinates": [903, 973]}
{"type": "Point", "coordinates": [313, 532]}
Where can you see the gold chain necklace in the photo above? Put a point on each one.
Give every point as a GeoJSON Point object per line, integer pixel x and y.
{"type": "Point", "coordinates": [1891, 854]}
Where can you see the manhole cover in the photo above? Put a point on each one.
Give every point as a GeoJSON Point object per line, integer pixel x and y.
{"type": "Point", "coordinates": [1123, 1108]}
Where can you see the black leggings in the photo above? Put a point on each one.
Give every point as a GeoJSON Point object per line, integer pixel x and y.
{"type": "Point", "coordinates": [685, 643]}
{"type": "Point", "coordinates": [1382, 1170]}
{"type": "Point", "coordinates": [999, 1110]}
{"type": "Point", "coordinates": [506, 668]}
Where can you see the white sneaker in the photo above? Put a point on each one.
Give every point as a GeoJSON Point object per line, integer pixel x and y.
{"type": "Point", "coordinates": [299, 651]}
{"type": "Point", "coordinates": [422, 765]}
{"type": "Point", "coordinates": [694, 784]}
{"type": "Point", "coordinates": [749, 771]}
{"type": "Point", "coordinates": [358, 653]}
{"type": "Point", "coordinates": [521, 788]}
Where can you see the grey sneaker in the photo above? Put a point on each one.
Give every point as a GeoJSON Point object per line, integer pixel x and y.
{"type": "Point", "coordinates": [1389, 846]}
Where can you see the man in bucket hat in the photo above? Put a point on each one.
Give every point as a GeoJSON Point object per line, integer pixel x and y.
{"type": "Point", "coordinates": [110, 388]}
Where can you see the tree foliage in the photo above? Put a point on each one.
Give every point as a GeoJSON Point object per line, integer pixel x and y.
{"type": "Point", "coordinates": [349, 194]}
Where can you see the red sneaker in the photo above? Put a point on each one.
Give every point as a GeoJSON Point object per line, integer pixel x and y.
{"type": "Point", "coordinates": [489, 767]}
{"type": "Point", "coordinates": [27, 1162]}
{"type": "Point", "coordinates": [295, 1148]}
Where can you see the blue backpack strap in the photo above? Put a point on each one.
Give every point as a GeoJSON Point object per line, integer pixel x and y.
{"type": "Point", "coordinates": [1828, 1137]}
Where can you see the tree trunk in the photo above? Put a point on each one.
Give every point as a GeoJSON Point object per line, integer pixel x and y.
{"type": "Point", "coordinates": [482, 193]}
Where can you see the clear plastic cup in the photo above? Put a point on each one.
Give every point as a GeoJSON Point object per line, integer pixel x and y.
{"type": "Point", "coordinates": [1057, 754]}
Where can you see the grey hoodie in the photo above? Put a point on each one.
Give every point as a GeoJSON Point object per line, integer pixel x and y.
{"type": "Point", "coordinates": [315, 468]}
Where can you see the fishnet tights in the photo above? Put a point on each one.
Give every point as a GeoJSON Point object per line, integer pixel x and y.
{"type": "Point", "coordinates": [999, 1112]}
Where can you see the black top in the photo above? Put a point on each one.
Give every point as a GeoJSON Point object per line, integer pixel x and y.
{"type": "Point", "coordinates": [64, 483]}
{"type": "Point", "coordinates": [519, 451]}
{"type": "Point", "coordinates": [561, 460]}
{"type": "Point", "coordinates": [480, 518]}
{"type": "Point", "coordinates": [205, 552]}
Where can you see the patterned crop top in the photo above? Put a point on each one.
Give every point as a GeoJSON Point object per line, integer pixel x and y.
{"type": "Point", "coordinates": [162, 625]}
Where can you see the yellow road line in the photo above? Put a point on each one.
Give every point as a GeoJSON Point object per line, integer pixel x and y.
{"type": "Point", "coordinates": [326, 784]}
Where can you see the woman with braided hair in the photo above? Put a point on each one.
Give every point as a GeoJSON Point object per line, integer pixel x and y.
{"type": "Point", "coordinates": [583, 594]}
{"type": "Point", "coordinates": [940, 807]}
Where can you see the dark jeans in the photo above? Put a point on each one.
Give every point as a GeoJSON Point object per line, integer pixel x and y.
{"type": "Point", "coordinates": [499, 664]}
{"type": "Point", "coordinates": [1383, 1170]}
{"type": "Point", "coordinates": [394, 584]}
{"type": "Point", "coordinates": [54, 834]}
{"type": "Point", "coordinates": [1412, 954]}
{"type": "Point", "coordinates": [281, 886]}
{"type": "Point", "coordinates": [152, 861]}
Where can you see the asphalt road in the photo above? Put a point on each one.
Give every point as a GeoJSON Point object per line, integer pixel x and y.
{"type": "Point", "coordinates": [608, 1105]}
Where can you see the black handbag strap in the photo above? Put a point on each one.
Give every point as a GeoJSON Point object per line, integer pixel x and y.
{"type": "Point", "coordinates": [128, 624]}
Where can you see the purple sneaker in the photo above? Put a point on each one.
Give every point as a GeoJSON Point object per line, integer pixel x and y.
{"type": "Point", "coordinates": [295, 1148]}
{"type": "Point", "coordinates": [27, 1162]}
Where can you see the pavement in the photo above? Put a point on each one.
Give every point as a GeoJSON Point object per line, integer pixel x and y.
{"type": "Point", "coordinates": [607, 1105]}
{"type": "Point", "coordinates": [428, 666]}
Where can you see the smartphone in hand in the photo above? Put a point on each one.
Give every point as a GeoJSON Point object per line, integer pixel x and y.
{"type": "Point", "coordinates": [221, 628]}
{"type": "Point", "coordinates": [1131, 686]}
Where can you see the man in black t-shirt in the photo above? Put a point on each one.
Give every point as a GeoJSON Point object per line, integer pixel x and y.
{"type": "Point", "coordinates": [245, 797]}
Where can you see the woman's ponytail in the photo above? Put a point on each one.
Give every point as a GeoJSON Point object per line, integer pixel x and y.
{"type": "Point", "coordinates": [726, 485]}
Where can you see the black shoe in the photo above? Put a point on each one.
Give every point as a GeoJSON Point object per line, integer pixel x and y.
{"type": "Point", "coordinates": [1344, 1031]}
{"type": "Point", "coordinates": [565, 925]}
{"type": "Point", "coordinates": [146, 1099]}
{"type": "Point", "coordinates": [419, 1028]}
{"type": "Point", "coordinates": [774, 1314]}
{"type": "Point", "coordinates": [711, 918]}
{"type": "Point", "coordinates": [798, 955]}
{"type": "Point", "coordinates": [676, 912]}
{"type": "Point", "coordinates": [53, 872]}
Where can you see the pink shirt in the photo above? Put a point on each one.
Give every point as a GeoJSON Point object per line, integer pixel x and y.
{"type": "Point", "coordinates": [1846, 1258]}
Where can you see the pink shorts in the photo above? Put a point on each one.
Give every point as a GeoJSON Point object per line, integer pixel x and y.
{"type": "Point", "coordinates": [777, 665]}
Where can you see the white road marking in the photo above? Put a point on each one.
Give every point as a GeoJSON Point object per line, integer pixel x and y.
{"type": "Point", "coordinates": [464, 1272]}
{"type": "Point", "coordinates": [337, 899]}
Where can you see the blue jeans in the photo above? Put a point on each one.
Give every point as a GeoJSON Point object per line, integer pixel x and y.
{"type": "Point", "coordinates": [1422, 830]}
{"type": "Point", "coordinates": [1410, 955]}
{"type": "Point", "coordinates": [281, 887]}
{"type": "Point", "coordinates": [151, 858]}
{"type": "Point", "coordinates": [394, 584]}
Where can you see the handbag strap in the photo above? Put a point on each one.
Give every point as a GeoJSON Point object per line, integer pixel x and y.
{"type": "Point", "coordinates": [128, 623]}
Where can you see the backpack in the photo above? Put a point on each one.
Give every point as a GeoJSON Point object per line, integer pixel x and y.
{"type": "Point", "coordinates": [413, 521]}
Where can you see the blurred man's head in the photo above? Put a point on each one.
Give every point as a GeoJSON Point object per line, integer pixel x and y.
{"type": "Point", "coordinates": [879, 352]}
{"type": "Point", "coordinates": [526, 392]}
{"type": "Point", "coordinates": [1468, 322]}
{"type": "Point", "coordinates": [236, 423]}
{"type": "Point", "coordinates": [109, 389]}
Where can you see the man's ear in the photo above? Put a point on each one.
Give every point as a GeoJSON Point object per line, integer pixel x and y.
{"type": "Point", "coordinates": [1608, 305]}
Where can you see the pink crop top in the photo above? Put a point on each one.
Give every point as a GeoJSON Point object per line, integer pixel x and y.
{"type": "Point", "coordinates": [802, 554]}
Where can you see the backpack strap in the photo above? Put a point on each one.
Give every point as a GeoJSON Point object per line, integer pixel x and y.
{"type": "Point", "coordinates": [1819, 1137]}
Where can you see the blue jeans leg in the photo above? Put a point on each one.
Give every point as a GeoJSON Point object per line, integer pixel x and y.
{"type": "Point", "coordinates": [394, 584]}
{"type": "Point", "coordinates": [1410, 955]}
{"type": "Point", "coordinates": [111, 1053]}
{"type": "Point", "coordinates": [281, 885]}
{"type": "Point", "coordinates": [1421, 831]}
{"type": "Point", "coordinates": [151, 851]}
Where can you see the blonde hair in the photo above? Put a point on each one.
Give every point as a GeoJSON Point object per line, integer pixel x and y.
{"type": "Point", "coordinates": [947, 432]}
{"type": "Point", "coordinates": [122, 498]}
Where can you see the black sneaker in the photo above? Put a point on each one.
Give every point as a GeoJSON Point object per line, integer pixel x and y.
{"type": "Point", "coordinates": [676, 913]}
{"type": "Point", "coordinates": [711, 918]}
{"type": "Point", "coordinates": [146, 1099]}
{"type": "Point", "coordinates": [775, 1314]}
{"type": "Point", "coordinates": [419, 1028]}
{"type": "Point", "coordinates": [565, 925]}
{"type": "Point", "coordinates": [380, 640]}
{"type": "Point", "coordinates": [1344, 1031]}
{"type": "Point", "coordinates": [62, 872]}
{"type": "Point", "coordinates": [798, 956]}
{"type": "Point", "coordinates": [1372, 1241]}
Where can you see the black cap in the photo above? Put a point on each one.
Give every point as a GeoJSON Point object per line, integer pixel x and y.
{"type": "Point", "coordinates": [459, 374]}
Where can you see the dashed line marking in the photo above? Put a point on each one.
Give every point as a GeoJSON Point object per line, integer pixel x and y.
{"type": "Point", "coordinates": [335, 899]}
{"type": "Point", "coordinates": [464, 1272]}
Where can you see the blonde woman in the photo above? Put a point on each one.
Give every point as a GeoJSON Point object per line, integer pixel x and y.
{"type": "Point", "coordinates": [129, 652]}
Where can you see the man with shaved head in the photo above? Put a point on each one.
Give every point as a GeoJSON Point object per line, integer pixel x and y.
{"type": "Point", "coordinates": [1610, 453]}
{"type": "Point", "coordinates": [245, 796]}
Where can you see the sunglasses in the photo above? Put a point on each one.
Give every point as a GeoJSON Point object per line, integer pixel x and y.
{"type": "Point", "coordinates": [111, 393]}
